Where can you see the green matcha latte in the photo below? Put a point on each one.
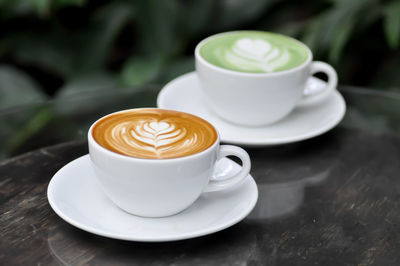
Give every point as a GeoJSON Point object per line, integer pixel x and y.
{"type": "Point", "coordinates": [254, 52]}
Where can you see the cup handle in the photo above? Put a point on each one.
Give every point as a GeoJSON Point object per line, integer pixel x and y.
{"type": "Point", "coordinates": [226, 150]}
{"type": "Point", "coordinates": [331, 85]}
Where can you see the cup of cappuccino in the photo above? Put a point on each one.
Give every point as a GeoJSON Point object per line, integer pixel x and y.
{"type": "Point", "coordinates": [154, 162]}
{"type": "Point", "coordinates": [256, 78]}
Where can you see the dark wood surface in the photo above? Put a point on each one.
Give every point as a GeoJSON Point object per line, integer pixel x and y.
{"type": "Point", "coordinates": [331, 200]}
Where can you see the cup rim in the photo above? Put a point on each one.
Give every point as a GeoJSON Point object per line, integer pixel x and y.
{"type": "Point", "coordinates": [116, 155]}
{"type": "Point", "coordinates": [200, 59]}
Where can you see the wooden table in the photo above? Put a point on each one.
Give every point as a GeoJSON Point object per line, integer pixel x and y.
{"type": "Point", "coordinates": [331, 200]}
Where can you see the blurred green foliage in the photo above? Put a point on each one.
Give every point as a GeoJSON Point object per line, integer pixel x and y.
{"type": "Point", "coordinates": [58, 48]}
{"type": "Point", "coordinates": [54, 47]}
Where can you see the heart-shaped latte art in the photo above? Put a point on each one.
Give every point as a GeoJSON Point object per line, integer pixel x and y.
{"type": "Point", "coordinates": [157, 134]}
{"type": "Point", "coordinates": [154, 133]}
{"type": "Point", "coordinates": [254, 49]}
{"type": "Point", "coordinates": [256, 54]}
{"type": "Point", "coordinates": [158, 127]}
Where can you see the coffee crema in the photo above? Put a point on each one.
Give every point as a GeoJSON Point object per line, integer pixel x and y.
{"type": "Point", "coordinates": [254, 52]}
{"type": "Point", "coordinates": [154, 133]}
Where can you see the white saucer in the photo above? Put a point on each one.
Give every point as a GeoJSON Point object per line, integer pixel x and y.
{"type": "Point", "coordinates": [306, 121]}
{"type": "Point", "coordinates": [75, 196]}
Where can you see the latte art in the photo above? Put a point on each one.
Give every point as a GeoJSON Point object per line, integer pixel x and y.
{"type": "Point", "coordinates": [154, 133]}
{"type": "Point", "coordinates": [254, 52]}
{"type": "Point", "coordinates": [257, 55]}
{"type": "Point", "coordinates": [156, 137]}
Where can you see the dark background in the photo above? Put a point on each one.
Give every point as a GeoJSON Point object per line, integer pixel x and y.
{"type": "Point", "coordinates": [49, 48]}
{"type": "Point", "coordinates": [54, 49]}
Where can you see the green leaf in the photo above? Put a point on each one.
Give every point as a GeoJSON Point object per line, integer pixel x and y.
{"type": "Point", "coordinates": [78, 88]}
{"type": "Point", "coordinates": [291, 28]}
{"type": "Point", "coordinates": [339, 40]}
{"type": "Point", "coordinates": [89, 82]}
{"type": "Point", "coordinates": [391, 24]}
{"type": "Point", "coordinates": [331, 30]}
{"type": "Point", "coordinates": [105, 26]}
{"type": "Point", "coordinates": [159, 27]}
{"type": "Point", "coordinates": [42, 7]}
{"type": "Point", "coordinates": [17, 88]}
{"type": "Point", "coordinates": [12, 8]}
{"type": "Point", "coordinates": [71, 2]}
{"type": "Point", "coordinates": [34, 125]}
{"type": "Point", "coordinates": [176, 68]}
{"type": "Point", "coordinates": [140, 70]}
{"type": "Point", "coordinates": [235, 13]}
{"type": "Point", "coordinates": [70, 53]}
{"type": "Point", "coordinates": [195, 16]}
{"type": "Point", "coordinates": [312, 34]}
{"type": "Point", "coordinates": [48, 49]}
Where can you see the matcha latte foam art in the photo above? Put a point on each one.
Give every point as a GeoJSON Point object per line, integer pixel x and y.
{"type": "Point", "coordinates": [254, 52]}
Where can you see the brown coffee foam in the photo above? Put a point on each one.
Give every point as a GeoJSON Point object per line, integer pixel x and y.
{"type": "Point", "coordinates": [154, 133]}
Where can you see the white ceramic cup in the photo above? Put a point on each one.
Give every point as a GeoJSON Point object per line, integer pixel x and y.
{"type": "Point", "coordinates": [161, 187]}
{"type": "Point", "coordinates": [257, 99]}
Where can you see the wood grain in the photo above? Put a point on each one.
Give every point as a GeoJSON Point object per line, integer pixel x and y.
{"type": "Point", "coordinates": [332, 200]}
